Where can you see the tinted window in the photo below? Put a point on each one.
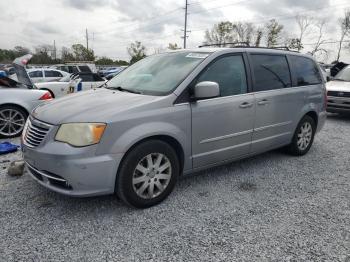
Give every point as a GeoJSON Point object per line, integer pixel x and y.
{"type": "Point", "coordinates": [270, 72]}
{"type": "Point", "coordinates": [36, 74]}
{"type": "Point", "coordinates": [84, 69]}
{"type": "Point", "coordinates": [97, 78]}
{"type": "Point", "coordinates": [305, 70]}
{"type": "Point", "coordinates": [52, 74]}
{"type": "Point", "coordinates": [229, 73]}
{"type": "Point", "coordinates": [86, 78]}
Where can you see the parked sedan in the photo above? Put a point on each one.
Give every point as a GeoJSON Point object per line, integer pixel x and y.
{"type": "Point", "coordinates": [71, 84]}
{"type": "Point", "coordinates": [18, 99]}
{"type": "Point", "coordinates": [46, 75]}
{"type": "Point", "coordinates": [338, 92]}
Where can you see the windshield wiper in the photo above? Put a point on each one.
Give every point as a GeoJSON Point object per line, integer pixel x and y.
{"type": "Point", "coordinates": [119, 88]}
{"type": "Point", "coordinates": [338, 79]}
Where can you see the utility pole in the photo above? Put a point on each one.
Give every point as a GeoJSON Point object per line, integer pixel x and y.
{"type": "Point", "coordinates": [185, 29]}
{"type": "Point", "coordinates": [87, 39]}
{"type": "Point", "coordinates": [54, 49]}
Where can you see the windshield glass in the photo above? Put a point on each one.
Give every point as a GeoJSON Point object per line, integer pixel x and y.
{"type": "Point", "coordinates": [343, 75]}
{"type": "Point", "coordinates": [157, 74]}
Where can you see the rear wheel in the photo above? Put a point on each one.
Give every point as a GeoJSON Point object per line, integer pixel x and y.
{"type": "Point", "coordinates": [303, 137]}
{"type": "Point", "coordinates": [12, 121]}
{"type": "Point", "coordinates": [148, 174]}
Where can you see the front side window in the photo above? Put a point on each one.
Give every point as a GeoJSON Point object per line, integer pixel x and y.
{"type": "Point", "coordinates": [158, 74]}
{"type": "Point", "coordinates": [34, 74]}
{"type": "Point", "coordinates": [229, 73]}
{"type": "Point", "coordinates": [270, 72]}
{"type": "Point", "coordinates": [305, 70]}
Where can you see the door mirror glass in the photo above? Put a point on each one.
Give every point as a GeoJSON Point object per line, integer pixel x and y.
{"type": "Point", "coordinates": [206, 89]}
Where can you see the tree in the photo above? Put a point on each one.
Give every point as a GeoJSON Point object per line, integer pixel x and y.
{"type": "Point", "coordinates": [294, 43]}
{"type": "Point", "coordinates": [220, 34]}
{"type": "Point", "coordinates": [258, 36]}
{"type": "Point", "coordinates": [317, 47]}
{"type": "Point", "coordinates": [243, 32]}
{"type": "Point", "coordinates": [21, 51]}
{"type": "Point", "coordinates": [136, 51]}
{"type": "Point", "coordinates": [104, 61]}
{"type": "Point", "coordinates": [42, 54]}
{"type": "Point", "coordinates": [303, 22]}
{"type": "Point", "coordinates": [273, 33]}
{"type": "Point", "coordinates": [81, 53]}
{"type": "Point", "coordinates": [121, 62]}
{"type": "Point", "coordinates": [345, 30]}
{"type": "Point", "coordinates": [66, 54]}
{"type": "Point", "coordinates": [173, 46]}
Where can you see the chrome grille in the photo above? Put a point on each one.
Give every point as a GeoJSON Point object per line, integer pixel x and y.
{"type": "Point", "coordinates": [35, 132]}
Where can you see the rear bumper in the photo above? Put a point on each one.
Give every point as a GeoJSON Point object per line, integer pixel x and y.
{"type": "Point", "coordinates": [322, 116]}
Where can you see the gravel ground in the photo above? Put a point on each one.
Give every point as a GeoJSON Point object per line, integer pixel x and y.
{"type": "Point", "coordinates": [272, 207]}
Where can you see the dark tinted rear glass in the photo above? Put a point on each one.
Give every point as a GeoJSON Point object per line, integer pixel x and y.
{"type": "Point", "coordinates": [305, 70]}
{"type": "Point", "coordinates": [84, 69]}
{"type": "Point", "coordinates": [50, 73]}
{"type": "Point", "coordinates": [270, 72]}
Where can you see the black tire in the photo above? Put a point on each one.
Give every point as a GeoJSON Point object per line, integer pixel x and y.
{"type": "Point", "coordinates": [19, 110]}
{"type": "Point", "coordinates": [293, 148]}
{"type": "Point", "coordinates": [124, 182]}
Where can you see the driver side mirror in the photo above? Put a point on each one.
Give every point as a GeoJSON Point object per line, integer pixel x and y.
{"type": "Point", "coordinates": [205, 90]}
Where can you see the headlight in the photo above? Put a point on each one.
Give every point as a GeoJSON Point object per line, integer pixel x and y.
{"type": "Point", "coordinates": [80, 134]}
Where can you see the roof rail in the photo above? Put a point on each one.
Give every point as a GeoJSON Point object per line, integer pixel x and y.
{"type": "Point", "coordinates": [234, 44]}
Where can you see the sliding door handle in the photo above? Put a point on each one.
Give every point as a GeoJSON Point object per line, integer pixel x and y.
{"type": "Point", "coordinates": [263, 102]}
{"type": "Point", "coordinates": [246, 105]}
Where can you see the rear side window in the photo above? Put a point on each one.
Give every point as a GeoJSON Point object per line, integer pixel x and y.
{"type": "Point", "coordinates": [270, 72]}
{"type": "Point", "coordinates": [52, 73]}
{"type": "Point", "coordinates": [305, 70]}
{"type": "Point", "coordinates": [229, 73]}
{"type": "Point", "coordinates": [85, 69]}
{"type": "Point", "coordinates": [36, 74]}
{"type": "Point", "coordinates": [87, 78]}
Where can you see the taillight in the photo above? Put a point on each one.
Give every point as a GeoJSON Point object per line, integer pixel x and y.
{"type": "Point", "coordinates": [46, 96]}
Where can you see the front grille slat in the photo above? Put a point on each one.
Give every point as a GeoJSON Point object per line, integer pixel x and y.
{"type": "Point", "coordinates": [338, 94]}
{"type": "Point", "coordinates": [35, 132]}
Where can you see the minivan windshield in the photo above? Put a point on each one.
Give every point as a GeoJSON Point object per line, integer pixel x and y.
{"type": "Point", "coordinates": [157, 74]}
{"type": "Point", "coordinates": [343, 75]}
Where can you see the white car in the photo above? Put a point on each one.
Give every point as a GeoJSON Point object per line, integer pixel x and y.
{"type": "Point", "coordinates": [338, 92]}
{"type": "Point", "coordinates": [38, 75]}
{"type": "Point", "coordinates": [71, 84]}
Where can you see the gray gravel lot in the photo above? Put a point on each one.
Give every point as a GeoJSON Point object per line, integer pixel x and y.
{"type": "Point", "coordinates": [272, 207]}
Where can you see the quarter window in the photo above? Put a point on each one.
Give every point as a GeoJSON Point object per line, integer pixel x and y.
{"type": "Point", "coordinates": [51, 73]}
{"type": "Point", "coordinates": [229, 73]}
{"type": "Point", "coordinates": [270, 72]}
{"type": "Point", "coordinates": [35, 74]}
{"type": "Point", "coordinates": [305, 70]}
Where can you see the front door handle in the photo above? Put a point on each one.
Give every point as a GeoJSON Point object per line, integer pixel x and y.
{"type": "Point", "coordinates": [263, 102]}
{"type": "Point", "coordinates": [246, 105]}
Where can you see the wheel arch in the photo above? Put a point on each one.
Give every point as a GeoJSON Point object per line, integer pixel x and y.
{"type": "Point", "coordinates": [16, 105]}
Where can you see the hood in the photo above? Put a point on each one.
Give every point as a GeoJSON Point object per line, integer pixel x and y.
{"type": "Point", "coordinates": [22, 74]}
{"type": "Point", "coordinates": [338, 86]}
{"type": "Point", "coordinates": [97, 105]}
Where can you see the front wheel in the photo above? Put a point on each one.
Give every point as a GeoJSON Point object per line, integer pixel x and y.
{"type": "Point", "coordinates": [148, 174]}
{"type": "Point", "coordinates": [303, 137]}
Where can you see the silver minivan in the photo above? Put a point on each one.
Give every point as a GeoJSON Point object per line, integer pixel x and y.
{"type": "Point", "coordinates": [172, 114]}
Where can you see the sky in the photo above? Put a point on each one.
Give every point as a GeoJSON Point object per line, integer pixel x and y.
{"type": "Point", "coordinates": [114, 24]}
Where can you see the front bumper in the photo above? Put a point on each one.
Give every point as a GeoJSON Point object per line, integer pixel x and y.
{"type": "Point", "coordinates": [338, 104]}
{"type": "Point", "coordinates": [72, 171]}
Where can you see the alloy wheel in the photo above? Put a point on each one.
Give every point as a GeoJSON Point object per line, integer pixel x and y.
{"type": "Point", "coordinates": [11, 122]}
{"type": "Point", "coordinates": [151, 175]}
{"type": "Point", "coordinates": [304, 136]}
